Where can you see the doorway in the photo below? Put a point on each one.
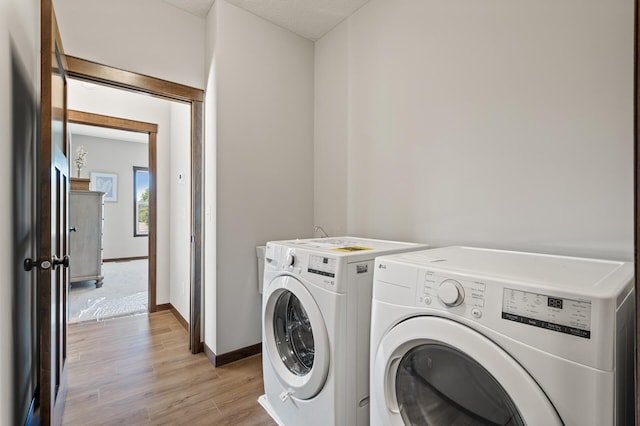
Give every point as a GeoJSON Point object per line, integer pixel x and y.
{"type": "Point", "coordinates": [110, 150]}
{"type": "Point", "coordinates": [97, 73]}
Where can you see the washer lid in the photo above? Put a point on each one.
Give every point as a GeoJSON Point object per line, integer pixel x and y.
{"type": "Point", "coordinates": [350, 246]}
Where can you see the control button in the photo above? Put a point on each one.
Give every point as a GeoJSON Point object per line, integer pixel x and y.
{"type": "Point", "coordinates": [477, 313]}
{"type": "Point", "coordinates": [427, 300]}
{"type": "Point", "coordinates": [291, 259]}
{"type": "Point", "coordinates": [451, 293]}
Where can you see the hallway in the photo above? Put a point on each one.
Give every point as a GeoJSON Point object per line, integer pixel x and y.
{"type": "Point", "coordinates": [138, 370]}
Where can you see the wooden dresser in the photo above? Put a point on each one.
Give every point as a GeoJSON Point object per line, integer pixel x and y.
{"type": "Point", "coordinates": [86, 215]}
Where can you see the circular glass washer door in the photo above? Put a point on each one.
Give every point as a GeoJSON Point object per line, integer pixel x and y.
{"type": "Point", "coordinates": [295, 337]}
{"type": "Point", "coordinates": [434, 371]}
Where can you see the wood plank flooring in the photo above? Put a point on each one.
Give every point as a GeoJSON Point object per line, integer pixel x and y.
{"type": "Point", "coordinates": [139, 371]}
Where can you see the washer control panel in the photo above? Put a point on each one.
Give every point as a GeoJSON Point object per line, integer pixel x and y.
{"type": "Point", "coordinates": [322, 265]}
{"type": "Point", "coordinates": [457, 295]}
{"type": "Point", "coordinates": [319, 269]}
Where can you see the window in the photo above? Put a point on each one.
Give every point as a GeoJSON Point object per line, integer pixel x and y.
{"type": "Point", "coordinates": [140, 201]}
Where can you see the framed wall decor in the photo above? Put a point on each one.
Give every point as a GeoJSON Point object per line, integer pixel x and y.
{"type": "Point", "coordinates": [107, 183]}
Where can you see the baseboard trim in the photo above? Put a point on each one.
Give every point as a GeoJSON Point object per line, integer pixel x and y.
{"type": "Point", "coordinates": [209, 353]}
{"type": "Point", "coordinates": [169, 307]}
{"type": "Point", "coordinates": [125, 259]}
{"type": "Point", "coordinates": [229, 357]}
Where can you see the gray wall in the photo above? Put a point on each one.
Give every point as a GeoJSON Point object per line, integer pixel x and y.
{"type": "Point", "coordinates": [149, 37]}
{"type": "Point", "coordinates": [180, 217]}
{"type": "Point", "coordinates": [498, 124]}
{"type": "Point", "coordinates": [259, 123]}
{"type": "Point", "coordinates": [19, 31]}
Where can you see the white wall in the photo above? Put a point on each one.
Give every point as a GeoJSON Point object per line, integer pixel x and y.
{"type": "Point", "coordinates": [19, 25]}
{"type": "Point", "coordinates": [149, 37]}
{"type": "Point", "coordinates": [264, 159]}
{"type": "Point", "coordinates": [124, 104]}
{"type": "Point", "coordinates": [180, 220]}
{"type": "Point", "coordinates": [209, 298]}
{"type": "Point", "coordinates": [331, 138]}
{"type": "Point", "coordinates": [484, 123]}
{"type": "Point", "coordinates": [119, 157]}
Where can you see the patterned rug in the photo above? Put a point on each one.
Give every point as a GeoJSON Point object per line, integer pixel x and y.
{"type": "Point", "coordinates": [123, 293]}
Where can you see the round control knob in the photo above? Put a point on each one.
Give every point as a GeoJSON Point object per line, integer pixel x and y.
{"type": "Point", "coordinates": [451, 293]}
{"type": "Point", "coordinates": [290, 260]}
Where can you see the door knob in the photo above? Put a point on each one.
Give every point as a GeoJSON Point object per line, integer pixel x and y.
{"type": "Point", "coordinates": [64, 261]}
{"type": "Point", "coordinates": [29, 264]}
{"type": "Point", "coordinates": [73, 229]}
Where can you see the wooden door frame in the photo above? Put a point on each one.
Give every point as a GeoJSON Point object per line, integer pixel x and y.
{"type": "Point", "coordinates": [93, 72]}
{"type": "Point", "coordinates": [52, 396]}
{"type": "Point", "coordinates": [636, 199]}
{"type": "Point", "coordinates": [151, 130]}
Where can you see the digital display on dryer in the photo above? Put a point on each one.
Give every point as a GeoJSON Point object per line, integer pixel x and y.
{"type": "Point", "coordinates": [552, 302]}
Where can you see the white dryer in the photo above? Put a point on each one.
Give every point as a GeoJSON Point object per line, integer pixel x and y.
{"type": "Point", "coordinates": [466, 336]}
{"type": "Point", "coordinates": [316, 309]}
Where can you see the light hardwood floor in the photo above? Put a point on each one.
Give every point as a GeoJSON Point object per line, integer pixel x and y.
{"type": "Point", "coordinates": [139, 371]}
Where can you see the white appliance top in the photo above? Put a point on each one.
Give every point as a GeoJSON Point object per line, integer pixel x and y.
{"type": "Point", "coordinates": [348, 246]}
{"type": "Point", "coordinates": [586, 277]}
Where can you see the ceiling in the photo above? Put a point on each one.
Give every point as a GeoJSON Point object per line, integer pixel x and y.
{"type": "Point", "coordinates": [310, 19]}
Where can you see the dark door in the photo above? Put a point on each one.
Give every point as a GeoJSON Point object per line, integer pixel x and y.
{"type": "Point", "coordinates": [25, 296]}
{"type": "Point", "coordinates": [53, 276]}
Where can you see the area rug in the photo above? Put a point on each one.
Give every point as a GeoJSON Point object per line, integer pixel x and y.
{"type": "Point", "coordinates": [123, 293]}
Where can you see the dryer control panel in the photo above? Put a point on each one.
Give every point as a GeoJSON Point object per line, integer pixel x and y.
{"type": "Point", "coordinates": [462, 296]}
{"type": "Point", "coordinates": [552, 313]}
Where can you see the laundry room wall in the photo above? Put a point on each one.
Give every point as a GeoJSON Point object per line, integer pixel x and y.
{"type": "Point", "coordinates": [19, 46]}
{"type": "Point", "coordinates": [259, 123]}
{"type": "Point", "coordinates": [117, 157]}
{"type": "Point", "coordinates": [209, 298]}
{"type": "Point", "coordinates": [180, 219]}
{"type": "Point", "coordinates": [149, 37]}
{"type": "Point", "coordinates": [499, 124]}
{"type": "Point", "coordinates": [331, 131]}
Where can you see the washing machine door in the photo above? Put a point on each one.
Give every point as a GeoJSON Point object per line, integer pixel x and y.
{"type": "Point", "coordinates": [295, 337]}
{"type": "Point", "coordinates": [434, 371]}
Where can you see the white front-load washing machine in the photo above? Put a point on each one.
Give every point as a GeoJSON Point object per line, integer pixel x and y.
{"type": "Point", "coordinates": [467, 336]}
{"type": "Point", "coordinates": [316, 309]}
